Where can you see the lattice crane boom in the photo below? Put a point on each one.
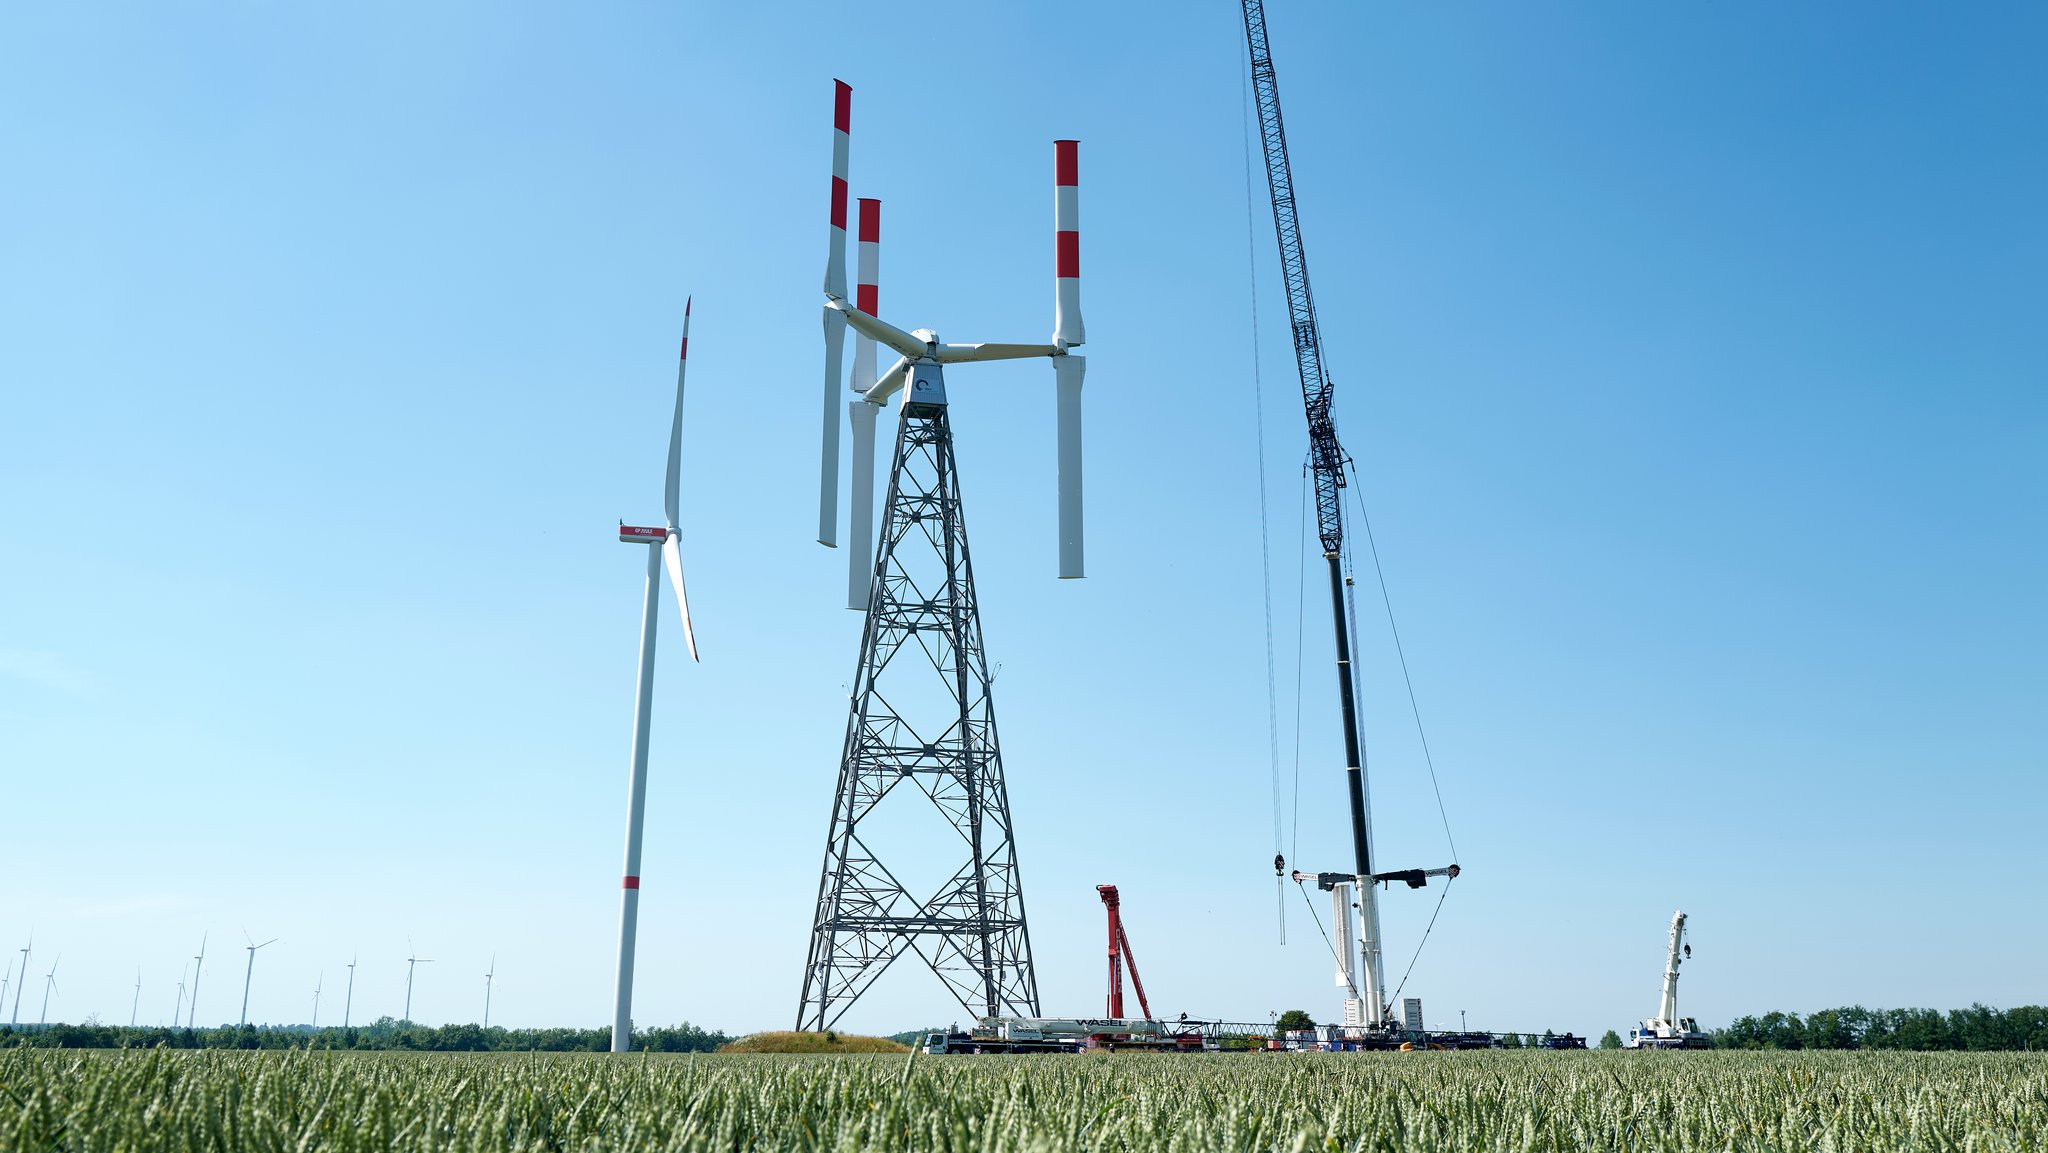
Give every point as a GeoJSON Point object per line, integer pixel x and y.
{"type": "Point", "coordinates": [1326, 455]}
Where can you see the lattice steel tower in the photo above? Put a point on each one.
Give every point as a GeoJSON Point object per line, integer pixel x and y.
{"type": "Point", "coordinates": [922, 730]}
{"type": "Point", "coordinates": [921, 737]}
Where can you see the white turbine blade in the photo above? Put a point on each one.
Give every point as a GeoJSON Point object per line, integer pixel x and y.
{"type": "Point", "coordinates": [1067, 374]}
{"type": "Point", "coordinates": [890, 384]}
{"type": "Point", "coordinates": [828, 458]}
{"type": "Point", "coordinates": [964, 353]}
{"type": "Point", "coordinates": [835, 346]}
{"type": "Point", "coordinates": [904, 343]}
{"type": "Point", "coordinates": [672, 484]}
{"type": "Point", "coordinates": [861, 521]}
{"type": "Point", "coordinates": [672, 556]}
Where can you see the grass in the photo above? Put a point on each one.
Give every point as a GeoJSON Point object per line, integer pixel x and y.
{"type": "Point", "coordinates": [1135, 1103]}
{"type": "Point", "coordinates": [826, 1042]}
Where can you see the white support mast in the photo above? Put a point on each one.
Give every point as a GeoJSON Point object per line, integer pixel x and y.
{"type": "Point", "coordinates": [1667, 1001]}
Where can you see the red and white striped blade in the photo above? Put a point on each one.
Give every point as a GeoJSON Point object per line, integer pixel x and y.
{"type": "Point", "coordinates": [866, 290]}
{"type": "Point", "coordinates": [1066, 215]}
{"type": "Point", "coordinates": [672, 557]}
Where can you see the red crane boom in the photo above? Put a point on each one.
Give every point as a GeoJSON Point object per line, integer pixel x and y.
{"type": "Point", "coordinates": [1120, 956]}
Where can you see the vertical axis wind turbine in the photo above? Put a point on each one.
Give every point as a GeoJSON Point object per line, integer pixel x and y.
{"type": "Point", "coordinates": [410, 961]}
{"type": "Point", "coordinates": [664, 547]}
{"type": "Point", "coordinates": [922, 355]}
{"type": "Point", "coordinates": [918, 590]}
{"type": "Point", "coordinates": [249, 974]}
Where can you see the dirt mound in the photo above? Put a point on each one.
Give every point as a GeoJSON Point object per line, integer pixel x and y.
{"type": "Point", "coordinates": [826, 1042]}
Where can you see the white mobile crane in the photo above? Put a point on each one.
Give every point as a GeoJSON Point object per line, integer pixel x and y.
{"type": "Point", "coordinates": [1668, 1030]}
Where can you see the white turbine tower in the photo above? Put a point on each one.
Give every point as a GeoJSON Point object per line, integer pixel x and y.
{"type": "Point", "coordinates": [489, 975]}
{"type": "Point", "coordinates": [178, 1010]}
{"type": "Point", "coordinates": [198, 965]}
{"type": "Point", "coordinates": [317, 987]}
{"type": "Point", "coordinates": [923, 356]}
{"type": "Point", "coordinates": [250, 973]}
{"type": "Point", "coordinates": [663, 547]}
{"type": "Point", "coordinates": [6, 981]}
{"type": "Point", "coordinates": [49, 983]}
{"type": "Point", "coordinates": [410, 961]}
{"type": "Point", "coordinates": [348, 1002]}
{"type": "Point", "coordinates": [137, 1003]}
{"type": "Point", "coordinates": [15, 1019]}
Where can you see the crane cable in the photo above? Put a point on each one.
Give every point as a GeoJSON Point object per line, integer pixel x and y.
{"type": "Point", "coordinates": [1406, 679]}
{"type": "Point", "coordinates": [1386, 599]}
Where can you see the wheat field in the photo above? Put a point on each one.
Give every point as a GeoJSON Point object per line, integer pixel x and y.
{"type": "Point", "coordinates": [303, 1101]}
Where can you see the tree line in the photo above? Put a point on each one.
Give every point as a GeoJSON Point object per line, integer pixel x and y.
{"type": "Point", "coordinates": [1978, 1027]}
{"type": "Point", "coordinates": [382, 1034]}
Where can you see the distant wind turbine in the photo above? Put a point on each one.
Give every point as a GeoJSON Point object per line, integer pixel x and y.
{"type": "Point", "coordinates": [250, 972]}
{"type": "Point", "coordinates": [198, 966]}
{"type": "Point", "coordinates": [410, 961]}
{"type": "Point", "coordinates": [487, 989]}
{"type": "Point", "coordinates": [348, 1002]}
{"type": "Point", "coordinates": [179, 1012]}
{"type": "Point", "coordinates": [49, 983]}
{"type": "Point", "coordinates": [664, 547]}
{"type": "Point", "coordinates": [137, 1003]}
{"type": "Point", "coordinates": [6, 981]}
{"type": "Point", "coordinates": [317, 986]}
{"type": "Point", "coordinates": [19, 985]}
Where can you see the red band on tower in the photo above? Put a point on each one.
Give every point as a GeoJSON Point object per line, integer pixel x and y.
{"type": "Point", "coordinates": [864, 298]}
{"type": "Point", "coordinates": [631, 883]}
{"type": "Point", "coordinates": [1066, 163]}
{"type": "Point", "coordinates": [870, 220]}
{"type": "Point", "coordinates": [1067, 254]}
{"type": "Point", "coordinates": [842, 106]}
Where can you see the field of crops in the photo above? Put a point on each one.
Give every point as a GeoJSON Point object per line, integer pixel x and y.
{"type": "Point", "coordinates": [184, 1100]}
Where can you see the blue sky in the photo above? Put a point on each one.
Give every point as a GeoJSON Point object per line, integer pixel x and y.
{"type": "Point", "coordinates": [1689, 356]}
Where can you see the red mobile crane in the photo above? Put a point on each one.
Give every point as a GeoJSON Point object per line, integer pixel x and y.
{"type": "Point", "coordinates": [1119, 956]}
